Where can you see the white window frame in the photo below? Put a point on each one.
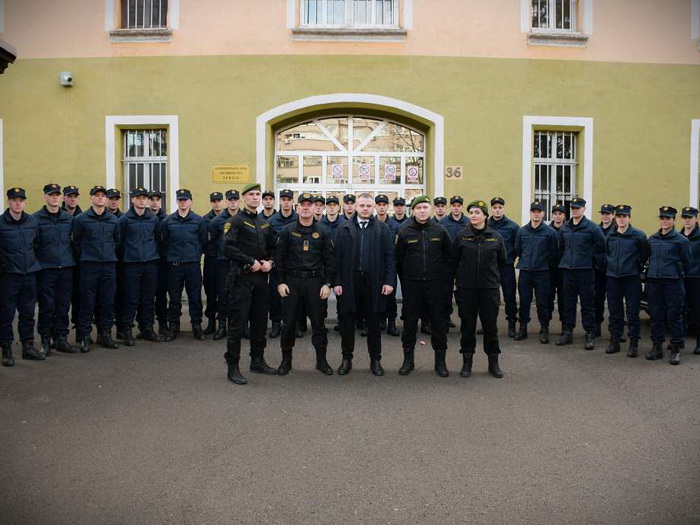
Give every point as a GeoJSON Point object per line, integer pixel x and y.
{"type": "Point", "coordinates": [115, 123]}
{"type": "Point", "coordinates": [145, 160]}
{"type": "Point", "coordinates": [554, 162]}
{"type": "Point", "coordinates": [531, 124]}
{"type": "Point", "coordinates": [576, 37]}
{"type": "Point", "coordinates": [694, 161]}
{"type": "Point", "coordinates": [121, 35]}
{"type": "Point", "coordinates": [349, 13]}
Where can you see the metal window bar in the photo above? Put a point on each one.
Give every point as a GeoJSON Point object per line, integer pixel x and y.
{"type": "Point", "coordinates": [555, 160]}
{"type": "Point", "coordinates": [144, 14]}
{"type": "Point", "coordinates": [146, 160]}
{"type": "Point", "coordinates": [351, 13]}
{"type": "Point", "coordinates": [553, 15]}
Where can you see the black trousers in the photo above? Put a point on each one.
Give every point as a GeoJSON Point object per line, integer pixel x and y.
{"type": "Point", "coordinates": [222, 268]}
{"type": "Point", "coordinates": [579, 283]}
{"type": "Point", "coordinates": [18, 293]}
{"type": "Point", "coordinates": [75, 296]}
{"type": "Point", "coordinates": [555, 289]}
{"type": "Point", "coordinates": [508, 285]}
{"type": "Point", "coordinates": [118, 295]}
{"type": "Point", "coordinates": [601, 288]}
{"type": "Point", "coordinates": [484, 304]}
{"type": "Point", "coordinates": [98, 284]}
{"type": "Point", "coordinates": [304, 293]}
{"type": "Point", "coordinates": [189, 277]}
{"type": "Point", "coordinates": [666, 298]}
{"type": "Point", "coordinates": [210, 286]}
{"type": "Point", "coordinates": [275, 299]}
{"type": "Point", "coordinates": [248, 302]}
{"type": "Point", "coordinates": [449, 281]}
{"type": "Point", "coordinates": [624, 292]}
{"type": "Point", "coordinates": [348, 319]}
{"type": "Point", "coordinates": [424, 298]}
{"type": "Point", "coordinates": [141, 281]}
{"type": "Point", "coordinates": [161, 306]}
{"type": "Point", "coordinates": [54, 289]}
{"type": "Point", "coordinates": [539, 283]}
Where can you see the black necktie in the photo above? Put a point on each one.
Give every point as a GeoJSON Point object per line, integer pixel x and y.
{"type": "Point", "coordinates": [363, 225]}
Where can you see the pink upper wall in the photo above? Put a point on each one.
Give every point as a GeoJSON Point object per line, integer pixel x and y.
{"type": "Point", "coordinates": [622, 31]}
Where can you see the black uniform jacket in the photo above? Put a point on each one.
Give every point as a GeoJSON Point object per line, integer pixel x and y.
{"type": "Point", "coordinates": [422, 250]}
{"type": "Point", "coordinates": [305, 249]}
{"type": "Point", "coordinates": [248, 238]}
{"type": "Point", "coordinates": [478, 256]}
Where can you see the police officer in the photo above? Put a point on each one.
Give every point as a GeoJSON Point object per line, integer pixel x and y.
{"type": "Point", "coordinates": [670, 258]}
{"type": "Point", "coordinates": [555, 273]}
{"type": "Point", "coordinates": [507, 229]}
{"type": "Point", "coordinates": [249, 244]}
{"type": "Point", "coordinates": [626, 250]}
{"type": "Point", "coordinates": [349, 206]}
{"type": "Point", "coordinates": [268, 201]}
{"type": "Point", "coordinates": [183, 233]}
{"type": "Point", "coordinates": [139, 233]}
{"type": "Point", "coordinates": [381, 205]}
{"type": "Point", "coordinates": [211, 250]}
{"type": "Point", "coordinates": [155, 203]}
{"type": "Point", "coordinates": [70, 204]}
{"type": "Point", "coordinates": [582, 241]}
{"type": "Point", "coordinates": [606, 225]}
{"type": "Point", "coordinates": [332, 219]}
{"type": "Point", "coordinates": [216, 233]}
{"type": "Point", "coordinates": [70, 200]}
{"type": "Point", "coordinates": [691, 231]}
{"type": "Point", "coordinates": [423, 245]}
{"type": "Point", "coordinates": [54, 252]}
{"type": "Point", "coordinates": [285, 215]}
{"type": "Point", "coordinates": [454, 223]}
{"type": "Point", "coordinates": [365, 276]}
{"type": "Point", "coordinates": [319, 207]}
{"type": "Point", "coordinates": [96, 237]}
{"type": "Point", "coordinates": [305, 266]}
{"type": "Point", "coordinates": [18, 267]}
{"type": "Point", "coordinates": [113, 199]}
{"type": "Point", "coordinates": [537, 249]}
{"type": "Point", "coordinates": [439, 208]}
{"type": "Point", "coordinates": [478, 254]}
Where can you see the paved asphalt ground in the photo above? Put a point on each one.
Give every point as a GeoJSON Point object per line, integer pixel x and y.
{"type": "Point", "coordinates": [156, 434]}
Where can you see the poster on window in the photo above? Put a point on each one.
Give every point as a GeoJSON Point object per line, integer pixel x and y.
{"type": "Point", "coordinates": [412, 174]}
{"type": "Point", "coordinates": [364, 170]}
{"type": "Point", "coordinates": [337, 171]}
{"type": "Point", "coordinates": [390, 172]}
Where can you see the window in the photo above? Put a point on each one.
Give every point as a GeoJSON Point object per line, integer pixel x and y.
{"type": "Point", "coordinates": [144, 14]}
{"type": "Point", "coordinates": [146, 160]}
{"type": "Point", "coordinates": [554, 15]}
{"type": "Point", "coordinates": [554, 168]}
{"type": "Point", "coordinates": [557, 22]}
{"type": "Point", "coordinates": [141, 20]}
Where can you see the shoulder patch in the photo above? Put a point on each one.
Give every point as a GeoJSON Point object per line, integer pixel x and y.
{"type": "Point", "coordinates": [227, 227]}
{"type": "Point", "coordinates": [265, 225]}
{"type": "Point", "coordinates": [249, 224]}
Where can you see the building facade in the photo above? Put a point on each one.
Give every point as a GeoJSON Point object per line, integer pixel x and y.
{"type": "Point", "coordinates": [521, 99]}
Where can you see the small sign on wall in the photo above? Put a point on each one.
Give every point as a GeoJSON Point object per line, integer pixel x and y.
{"type": "Point", "coordinates": [237, 173]}
{"type": "Point", "coordinates": [453, 172]}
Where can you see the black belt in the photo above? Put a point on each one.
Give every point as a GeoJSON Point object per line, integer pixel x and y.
{"type": "Point", "coordinates": [304, 274]}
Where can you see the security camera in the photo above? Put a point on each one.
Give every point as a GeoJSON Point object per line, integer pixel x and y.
{"type": "Point", "coordinates": [66, 78]}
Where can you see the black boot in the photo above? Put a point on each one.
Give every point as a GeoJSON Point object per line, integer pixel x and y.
{"type": "Point", "coordinates": [85, 344]}
{"type": "Point", "coordinates": [211, 326]}
{"type": "Point", "coordinates": [590, 341]}
{"type": "Point", "coordinates": [246, 331]}
{"type": "Point", "coordinates": [697, 345]}
{"type": "Point", "coordinates": [120, 336]}
{"type": "Point", "coordinates": [408, 364]}
{"type": "Point", "coordinates": [321, 363]}
{"type": "Point", "coordinates": [46, 345]}
{"type": "Point", "coordinates": [614, 346]}
{"type": "Point", "coordinates": [173, 331]}
{"type": "Point", "coordinates": [567, 337]}
{"type": "Point", "coordinates": [276, 329]}
{"type": "Point", "coordinates": [128, 337]}
{"type": "Point", "coordinates": [345, 367]}
{"type": "Point", "coordinates": [511, 328]}
{"type": "Point", "coordinates": [220, 331]}
{"type": "Point", "coordinates": [163, 330]}
{"type": "Point", "coordinates": [391, 328]}
{"type": "Point", "coordinates": [234, 374]}
{"type": "Point", "coordinates": [62, 345]}
{"type": "Point", "coordinates": [623, 338]}
{"type": "Point", "coordinates": [29, 351]}
{"type": "Point", "coordinates": [259, 366]}
{"type": "Point", "coordinates": [657, 352]}
{"type": "Point", "coordinates": [467, 361]}
{"type": "Point", "coordinates": [197, 332]}
{"type": "Point", "coordinates": [375, 365]}
{"type": "Point", "coordinates": [106, 340]}
{"type": "Point", "coordinates": [598, 331]}
{"type": "Point", "coordinates": [286, 364]}
{"type": "Point", "coordinates": [7, 359]}
{"type": "Point", "coordinates": [440, 365]}
{"type": "Point", "coordinates": [633, 350]}
{"type": "Point", "coordinates": [148, 334]}
{"type": "Point", "coordinates": [425, 328]}
{"type": "Point", "coordinates": [522, 332]}
{"type": "Point", "coordinates": [675, 355]}
{"type": "Point", "coordinates": [544, 336]}
{"type": "Point", "coordinates": [494, 369]}
{"type": "Point", "coordinates": [382, 324]}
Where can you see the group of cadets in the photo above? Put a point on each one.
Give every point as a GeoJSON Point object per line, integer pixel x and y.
{"type": "Point", "coordinates": [109, 267]}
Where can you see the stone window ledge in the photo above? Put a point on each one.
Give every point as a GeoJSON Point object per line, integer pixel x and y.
{"type": "Point", "coordinates": [141, 35]}
{"type": "Point", "coordinates": [389, 34]}
{"type": "Point", "coordinates": [557, 39]}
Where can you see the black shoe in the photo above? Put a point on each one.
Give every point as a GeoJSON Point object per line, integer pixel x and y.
{"type": "Point", "coordinates": [467, 361]}
{"type": "Point", "coordinates": [85, 344]}
{"type": "Point", "coordinates": [522, 332]}
{"type": "Point", "coordinates": [425, 328]}
{"type": "Point", "coordinates": [173, 331]}
{"type": "Point", "coordinates": [321, 363]}
{"type": "Point", "coordinates": [363, 331]}
{"type": "Point", "coordinates": [598, 332]}
{"type": "Point", "coordinates": [623, 338]}
{"type": "Point", "coordinates": [452, 325]}
{"type": "Point", "coordinates": [62, 345]}
{"type": "Point", "coordinates": [375, 365]}
{"type": "Point", "coordinates": [657, 352]}
{"type": "Point", "coordinates": [246, 332]}
{"type": "Point", "coordinates": [480, 331]}
{"type": "Point", "coordinates": [391, 328]}
{"type": "Point", "coordinates": [336, 328]}
{"type": "Point", "coordinates": [198, 333]}
{"type": "Point", "coordinates": [675, 355]}
{"type": "Point", "coordinates": [7, 359]}
{"type": "Point", "coordinates": [408, 364]}
{"type": "Point", "coordinates": [234, 374]}
{"type": "Point", "coordinates": [544, 336]}
{"type": "Point", "coordinates": [361, 324]}
{"type": "Point", "coordinates": [511, 329]}
{"type": "Point", "coordinates": [148, 334]}
{"type": "Point", "coordinates": [276, 329]}
{"type": "Point", "coordinates": [163, 329]}
{"type": "Point", "coordinates": [697, 348]}
{"type": "Point", "coordinates": [220, 332]}
{"type": "Point", "coordinates": [590, 341]}
{"type": "Point", "coordinates": [128, 337]}
{"type": "Point", "coordinates": [345, 367]}
{"type": "Point", "coordinates": [106, 341]}
{"type": "Point", "coordinates": [298, 334]}
{"type": "Point", "coordinates": [494, 369]}
{"type": "Point", "coordinates": [633, 350]}
{"type": "Point", "coordinates": [30, 352]}
{"type": "Point", "coordinates": [285, 366]}
{"type": "Point", "coordinates": [382, 324]}
{"type": "Point", "coordinates": [46, 346]}
{"type": "Point", "coordinates": [440, 365]}
{"type": "Point", "coordinates": [301, 325]}
{"type": "Point", "coordinates": [211, 326]}
{"type": "Point", "coordinates": [614, 346]}
{"type": "Point", "coordinates": [120, 336]}
{"type": "Point", "coordinates": [259, 366]}
{"type": "Point", "coordinates": [567, 338]}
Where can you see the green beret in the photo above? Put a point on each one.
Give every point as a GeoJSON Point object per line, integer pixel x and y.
{"type": "Point", "coordinates": [250, 187]}
{"type": "Point", "coordinates": [419, 199]}
{"type": "Point", "coordinates": [478, 204]}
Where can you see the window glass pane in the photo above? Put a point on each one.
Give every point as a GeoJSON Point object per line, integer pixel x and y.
{"type": "Point", "coordinates": [540, 12]}
{"type": "Point", "coordinates": [414, 170]}
{"type": "Point", "coordinates": [287, 169]}
{"type": "Point", "coordinates": [336, 170]}
{"type": "Point", "coordinates": [395, 138]}
{"type": "Point", "coordinates": [363, 128]}
{"type": "Point", "coordinates": [410, 193]}
{"type": "Point", "coordinates": [338, 129]}
{"type": "Point", "coordinates": [335, 12]}
{"type": "Point", "coordinates": [363, 170]}
{"type": "Point", "coordinates": [384, 12]}
{"type": "Point", "coordinates": [312, 170]}
{"type": "Point", "coordinates": [312, 12]}
{"type": "Point", "coordinates": [362, 12]}
{"type": "Point", "coordinates": [390, 170]}
{"type": "Point", "coordinates": [306, 137]}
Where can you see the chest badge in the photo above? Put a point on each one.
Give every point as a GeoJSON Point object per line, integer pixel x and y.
{"type": "Point", "coordinates": [227, 227]}
{"type": "Point", "coordinates": [315, 235]}
{"type": "Point", "coordinates": [306, 246]}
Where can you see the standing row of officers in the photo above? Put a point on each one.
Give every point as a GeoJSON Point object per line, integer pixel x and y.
{"type": "Point", "coordinates": [110, 264]}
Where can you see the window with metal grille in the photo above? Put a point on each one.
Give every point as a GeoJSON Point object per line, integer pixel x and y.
{"type": "Point", "coordinates": [555, 168]}
{"type": "Point", "coordinates": [146, 160]}
{"type": "Point", "coordinates": [554, 15]}
{"type": "Point", "coordinates": [349, 13]}
{"type": "Point", "coordinates": [144, 14]}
